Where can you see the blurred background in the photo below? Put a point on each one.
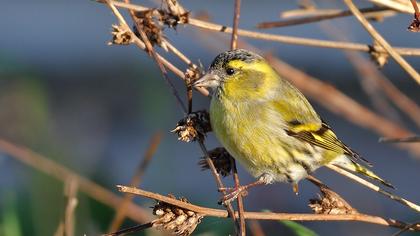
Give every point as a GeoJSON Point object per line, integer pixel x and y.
{"type": "Point", "coordinates": [93, 108]}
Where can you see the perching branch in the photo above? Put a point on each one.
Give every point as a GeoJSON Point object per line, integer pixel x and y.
{"type": "Point", "coordinates": [268, 215]}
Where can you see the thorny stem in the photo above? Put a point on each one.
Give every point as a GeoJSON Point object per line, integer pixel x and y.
{"type": "Point", "coordinates": [388, 48]}
{"type": "Point", "coordinates": [268, 215]}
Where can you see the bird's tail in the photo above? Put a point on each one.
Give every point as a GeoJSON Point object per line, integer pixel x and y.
{"type": "Point", "coordinates": [345, 163]}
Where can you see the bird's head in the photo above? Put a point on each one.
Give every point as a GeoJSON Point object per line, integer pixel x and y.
{"type": "Point", "coordinates": [238, 74]}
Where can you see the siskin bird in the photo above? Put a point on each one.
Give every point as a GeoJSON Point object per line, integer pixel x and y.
{"type": "Point", "coordinates": [267, 125]}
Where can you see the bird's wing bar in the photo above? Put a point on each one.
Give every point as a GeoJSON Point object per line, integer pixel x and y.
{"type": "Point", "coordinates": [325, 138]}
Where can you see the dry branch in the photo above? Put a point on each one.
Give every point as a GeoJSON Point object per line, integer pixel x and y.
{"type": "Point", "coordinates": [378, 37]}
{"type": "Point", "coordinates": [239, 200]}
{"type": "Point", "coordinates": [324, 15]}
{"type": "Point", "coordinates": [281, 38]}
{"type": "Point", "coordinates": [401, 6]}
{"type": "Point", "coordinates": [268, 215]}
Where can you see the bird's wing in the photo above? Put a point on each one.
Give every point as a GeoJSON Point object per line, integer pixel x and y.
{"type": "Point", "coordinates": [304, 123]}
{"type": "Point", "coordinates": [325, 138]}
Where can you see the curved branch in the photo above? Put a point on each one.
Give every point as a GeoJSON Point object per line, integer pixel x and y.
{"type": "Point", "coordinates": [269, 215]}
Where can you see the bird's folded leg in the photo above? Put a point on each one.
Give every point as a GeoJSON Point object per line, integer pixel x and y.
{"type": "Point", "coordinates": [233, 193]}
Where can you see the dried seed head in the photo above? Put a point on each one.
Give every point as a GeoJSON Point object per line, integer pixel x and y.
{"type": "Point", "coordinates": [147, 24]}
{"type": "Point", "coordinates": [193, 73]}
{"type": "Point", "coordinates": [221, 160]}
{"type": "Point", "coordinates": [193, 127]}
{"type": "Point", "coordinates": [121, 35]}
{"type": "Point", "coordinates": [174, 14]}
{"type": "Point", "coordinates": [414, 26]}
{"type": "Point", "coordinates": [175, 220]}
{"type": "Point", "coordinates": [379, 57]}
{"type": "Point", "coordinates": [330, 203]}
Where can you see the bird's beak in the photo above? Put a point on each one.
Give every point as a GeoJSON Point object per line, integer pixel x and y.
{"type": "Point", "coordinates": [209, 80]}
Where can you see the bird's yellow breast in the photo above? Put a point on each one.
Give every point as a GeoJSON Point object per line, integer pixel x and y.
{"type": "Point", "coordinates": [250, 135]}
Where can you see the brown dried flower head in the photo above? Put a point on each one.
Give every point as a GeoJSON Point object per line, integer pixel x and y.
{"type": "Point", "coordinates": [193, 127]}
{"type": "Point", "coordinates": [174, 14]}
{"type": "Point", "coordinates": [221, 160]}
{"type": "Point", "coordinates": [174, 219]}
{"type": "Point", "coordinates": [414, 26]}
{"type": "Point", "coordinates": [146, 23]}
{"type": "Point", "coordinates": [121, 35]}
{"type": "Point", "coordinates": [330, 203]}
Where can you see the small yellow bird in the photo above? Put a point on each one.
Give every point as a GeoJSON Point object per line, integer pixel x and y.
{"type": "Point", "coordinates": [267, 125]}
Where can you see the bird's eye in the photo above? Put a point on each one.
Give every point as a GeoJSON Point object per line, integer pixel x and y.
{"type": "Point", "coordinates": [230, 71]}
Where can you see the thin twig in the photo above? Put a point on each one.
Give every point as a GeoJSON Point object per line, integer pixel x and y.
{"type": "Point", "coordinates": [236, 14]}
{"type": "Point", "coordinates": [239, 200]}
{"type": "Point", "coordinates": [332, 14]}
{"type": "Point", "coordinates": [147, 45]}
{"type": "Point", "coordinates": [71, 187]}
{"type": "Point", "coordinates": [133, 229]}
{"type": "Point", "coordinates": [416, 9]}
{"type": "Point", "coordinates": [135, 181]}
{"type": "Point", "coordinates": [405, 229]}
{"type": "Point", "coordinates": [400, 6]}
{"type": "Point", "coordinates": [267, 215]}
{"type": "Point", "coordinates": [368, 71]}
{"type": "Point", "coordinates": [375, 187]}
{"type": "Point", "coordinates": [281, 38]}
{"type": "Point", "coordinates": [219, 183]}
{"type": "Point", "coordinates": [375, 35]}
{"type": "Point", "coordinates": [62, 173]}
{"type": "Point", "coordinates": [233, 45]}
